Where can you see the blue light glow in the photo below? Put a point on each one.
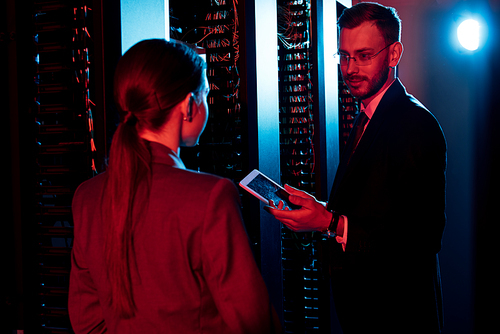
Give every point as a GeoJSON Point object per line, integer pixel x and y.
{"type": "Point", "coordinates": [468, 34]}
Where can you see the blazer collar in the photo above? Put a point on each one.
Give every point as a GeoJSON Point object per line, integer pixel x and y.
{"type": "Point", "coordinates": [163, 155]}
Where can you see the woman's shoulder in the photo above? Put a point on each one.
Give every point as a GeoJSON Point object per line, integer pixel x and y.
{"type": "Point", "coordinates": [183, 188]}
{"type": "Point", "coordinates": [202, 180]}
{"type": "Point", "coordinates": [89, 189]}
{"type": "Point", "coordinates": [91, 184]}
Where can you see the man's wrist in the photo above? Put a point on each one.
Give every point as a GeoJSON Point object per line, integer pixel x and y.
{"type": "Point", "coordinates": [331, 230]}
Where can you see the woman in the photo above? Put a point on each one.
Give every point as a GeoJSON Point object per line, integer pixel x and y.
{"type": "Point", "coordinates": [158, 248]}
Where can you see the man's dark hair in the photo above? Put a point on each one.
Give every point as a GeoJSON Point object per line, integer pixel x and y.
{"type": "Point", "coordinates": [385, 18]}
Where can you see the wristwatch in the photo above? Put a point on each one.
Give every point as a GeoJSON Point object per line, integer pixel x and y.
{"type": "Point", "coordinates": [332, 228]}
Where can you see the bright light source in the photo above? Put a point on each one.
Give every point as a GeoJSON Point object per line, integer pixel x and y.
{"type": "Point", "coordinates": [468, 34]}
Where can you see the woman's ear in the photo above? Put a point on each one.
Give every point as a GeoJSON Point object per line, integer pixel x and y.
{"type": "Point", "coordinates": [396, 51]}
{"type": "Point", "coordinates": [187, 107]}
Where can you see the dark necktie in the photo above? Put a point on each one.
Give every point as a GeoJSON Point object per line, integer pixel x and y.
{"type": "Point", "coordinates": [357, 131]}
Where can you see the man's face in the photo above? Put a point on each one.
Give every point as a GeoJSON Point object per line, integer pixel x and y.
{"type": "Point", "coordinates": [364, 81]}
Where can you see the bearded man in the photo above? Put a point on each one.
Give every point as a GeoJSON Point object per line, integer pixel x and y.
{"type": "Point", "coordinates": [386, 213]}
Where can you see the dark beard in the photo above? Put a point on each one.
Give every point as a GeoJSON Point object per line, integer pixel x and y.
{"type": "Point", "coordinates": [376, 84]}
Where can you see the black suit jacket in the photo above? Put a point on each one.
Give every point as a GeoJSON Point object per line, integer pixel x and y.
{"type": "Point", "coordinates": [393, 194]}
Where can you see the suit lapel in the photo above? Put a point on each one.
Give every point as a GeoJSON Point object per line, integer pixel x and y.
{"type": "Point", "coordinates": [383, 111]}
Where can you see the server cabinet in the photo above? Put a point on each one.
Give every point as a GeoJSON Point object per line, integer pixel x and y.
{"type": "Point", "coordinates": [57, 143]}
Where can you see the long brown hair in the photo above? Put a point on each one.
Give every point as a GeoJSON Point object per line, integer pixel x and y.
{"type": "Point", "coordinates": [150, 79]}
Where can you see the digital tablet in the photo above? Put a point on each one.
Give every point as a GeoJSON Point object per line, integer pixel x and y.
{"type": "Point", "coordinates": [266, 189]}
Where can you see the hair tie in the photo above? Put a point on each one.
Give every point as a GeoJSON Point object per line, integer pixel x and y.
{"type": "Point", "coordinates": [130, 119]}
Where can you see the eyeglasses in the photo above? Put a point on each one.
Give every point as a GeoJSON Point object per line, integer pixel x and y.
{"type": "Point", "coordinates": [362, 59]}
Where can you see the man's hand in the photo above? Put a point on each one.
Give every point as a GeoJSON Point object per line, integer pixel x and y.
{"type": "Point", "coordinates": [312, 216]}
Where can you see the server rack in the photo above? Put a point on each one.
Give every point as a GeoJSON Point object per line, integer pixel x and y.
{"type": "Point", "coordinates": [214, 28]}
{"type": "Point", "coordinates": [348, 110]}
{"type": "Point", "coordinates": [55, 144]}
{"type": "Point", "coordinates": [303, 132]}
{"type": "Point", "coordinates": [303, 286]}
{"type": "Point", "coordinates": [65, 151]}
{"type": "Point", "coordinates": [348, 105]}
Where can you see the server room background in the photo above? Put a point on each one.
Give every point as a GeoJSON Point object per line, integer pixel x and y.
{"type": "Point", "coordinates": [277, 103]}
